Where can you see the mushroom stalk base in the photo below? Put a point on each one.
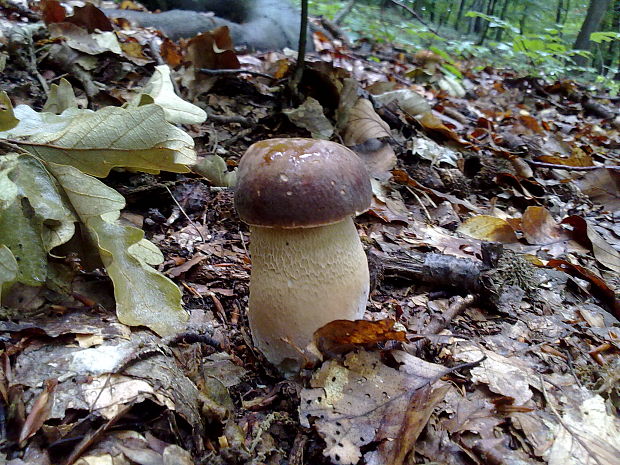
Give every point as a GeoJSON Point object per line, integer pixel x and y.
{"type": "Point", "coordinates": [301, 280]}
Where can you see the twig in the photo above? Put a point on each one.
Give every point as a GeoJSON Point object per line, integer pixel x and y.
{"type": "Point", "coordinates": [226, 72]}
{"type": "Point", "coordinates": [184, 214]}
{"type": "Point", "coordinates": [457, 305]}
{"type": "Point", "coordinates": [571, 168]}
{"type": "Point", "coordinates": [416, 15]}
{"type": "Point", "coordinates": [343, 12]}
{"type": "Point", "coordinates": [301, 51]}
{"type": "Point", "coordinates": [428, 215]}
{"type": "Point", "coordinates": [226, 119]}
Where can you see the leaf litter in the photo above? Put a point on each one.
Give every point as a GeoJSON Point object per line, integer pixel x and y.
{"type": "Point", "coordinates": [514, 205]}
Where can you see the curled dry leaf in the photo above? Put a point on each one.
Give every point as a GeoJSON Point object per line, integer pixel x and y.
{"type": "Point", "coordinates": [79, 39]}
{"type": "Point", "coordinates": [40, 410]}
{"type": "Point", "coordinates": [409, 101]}
{"type": "Point", "coordinates": [599, 289]}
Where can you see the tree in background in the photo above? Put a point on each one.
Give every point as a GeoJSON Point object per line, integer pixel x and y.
{"type": "Point", "coordinates": [594, 16]}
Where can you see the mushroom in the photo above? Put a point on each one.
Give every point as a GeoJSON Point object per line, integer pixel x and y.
{"type": "Point", "coordinates": [299, 197]}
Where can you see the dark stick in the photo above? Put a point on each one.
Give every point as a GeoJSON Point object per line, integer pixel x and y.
{"type": "Point", "coordinates": [301, 53]}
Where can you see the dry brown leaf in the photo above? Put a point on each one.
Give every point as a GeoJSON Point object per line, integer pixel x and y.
{"type": "Point", "coordinates": [342, 336]}
{"type": "Point", "coordinates": [361, 400]}
{"type": "Point", "coordinates": [599, 289]}
{"type": "Point", "coordinates": [587, 236]}
{"type": "Point", "coordinates": [602, 186]}
{"type": "Point", "coordinates": [364, 124]}
{"type": "Point", "coordinates": [171, 53]}
{"type": "Point", "coordinates": [53, 11]}
{"type": "Point", "coordinates": [539, 227]}
{"type": "Point", "coordinates": [577, 158]}
{"type": "Point", "coordinates": [90, 18]}
{"type": "Point", "coordinates": [213, 50]}
{"type": "Point", "coordinates": [379, 158]}
{"type": "Point", "coordinates": [488, 228]}
{"type": "Point", "coordinates": [40, 410]}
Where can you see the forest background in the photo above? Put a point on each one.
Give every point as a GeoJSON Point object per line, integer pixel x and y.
{"type": "Point", "coordinates": [555, 39]}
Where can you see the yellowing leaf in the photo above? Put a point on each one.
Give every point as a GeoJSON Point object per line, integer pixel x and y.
{"type": "Point", "coordinates": [8, 267]}
{"type": "Point", "coordinates": [143, 296]}
{"type": "Point", "coordinates": [7, 116]}
{"type": "Point", "coordinates": [488, 228]}
{"type": "Point", "coordinates": [20, 232]}
{"type": "Point", "coordinates": [60, 98]}
{"type": "Point", "coordinates": [95, 142]}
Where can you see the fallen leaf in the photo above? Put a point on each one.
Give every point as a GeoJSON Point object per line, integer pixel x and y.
{"type": "Point", "coordinates": [488, 228]}
{"type": "Point", "coordinates": [602, 186]}
{"type": "Point", "coordinates": [586, 435]}
{"type": "Point", "coordinates": [587, 236]}
{"type": "Point", "coordinates": [364, 124]}
{"type": "Point", "coordinates": [539, 227]}
{"type": "Point", "coordinates": [159, 90]}
{"type": "Point", "coordinates": [361, 400]}
{"type": "Point", "coordinates": [40, 411]}
{"type": "Point", "coordinates": [309, 115]}
{"type": "Point", "coordinates": [341, 336]}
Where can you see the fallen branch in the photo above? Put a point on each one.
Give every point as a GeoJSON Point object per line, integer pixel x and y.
{"type": "Point", "coordinates": [571, 168]}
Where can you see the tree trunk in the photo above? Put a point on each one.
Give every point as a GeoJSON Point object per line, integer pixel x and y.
{"type": "Point", "coordinates": [613, 52]}
{"type": "Point", "coordinates": [459, 14]}
{"type": "Point", "coordinates": [595, 14]}
{"type": "Point", "coordinates": [502, 16]}
{"type": "Point", "coordinates": [522, 21]}
{"type": "Point", "coordinates": [474, 23]}
{"type": "Point", "coordinates": [344, 12]}
{"type": "Point", "coordinates": [485, 25]}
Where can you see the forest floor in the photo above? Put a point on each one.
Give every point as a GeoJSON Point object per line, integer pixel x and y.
{"type": "Point", "coordinates": [494, 248]}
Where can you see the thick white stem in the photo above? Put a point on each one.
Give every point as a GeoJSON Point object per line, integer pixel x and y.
{"type": "Point", "coordinates": [301, 280]}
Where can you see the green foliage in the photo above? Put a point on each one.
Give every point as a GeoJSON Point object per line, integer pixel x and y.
{"type": "Point", "coordinates": [537, 46]}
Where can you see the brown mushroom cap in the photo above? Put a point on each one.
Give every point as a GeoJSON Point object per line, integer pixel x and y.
{"type": "Point", "coordinates": [300, 183]}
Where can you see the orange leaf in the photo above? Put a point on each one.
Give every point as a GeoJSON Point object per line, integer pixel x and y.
{"type": "Point", "coordinates": [342, 336]}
